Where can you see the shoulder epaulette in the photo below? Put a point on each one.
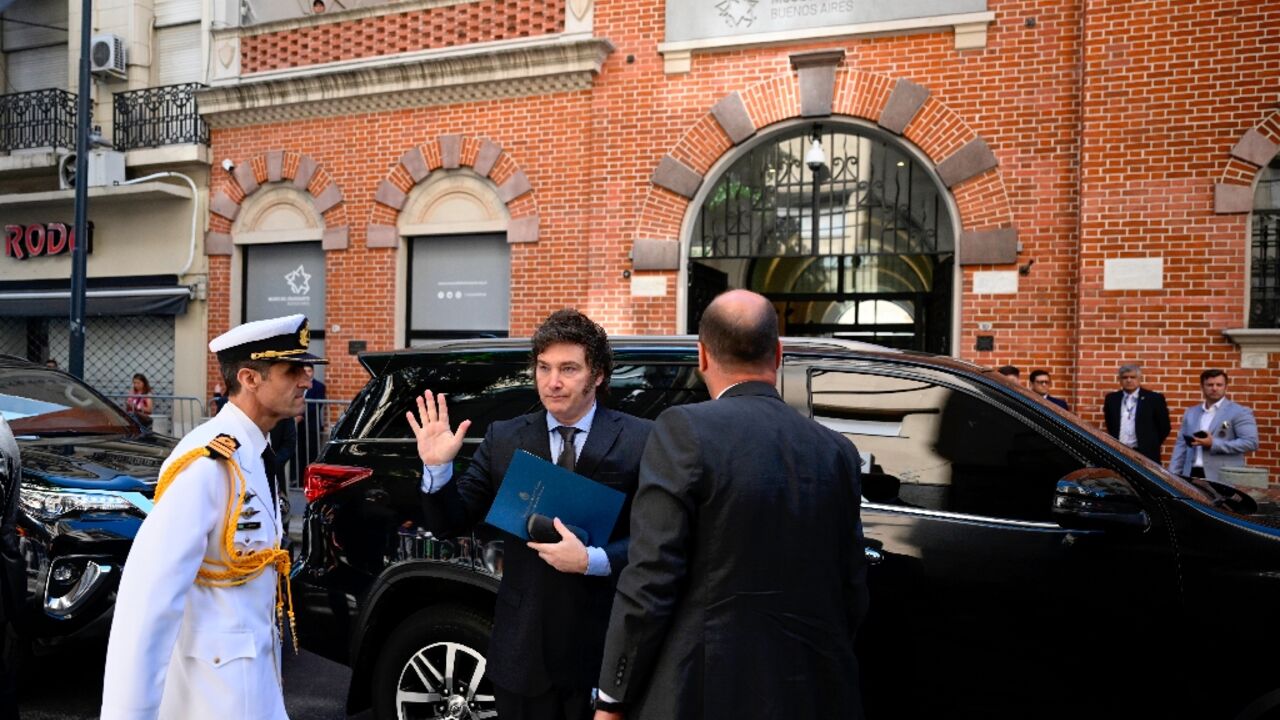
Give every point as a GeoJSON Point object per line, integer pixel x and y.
{"type": "Point", "coordinates": [223, 446]}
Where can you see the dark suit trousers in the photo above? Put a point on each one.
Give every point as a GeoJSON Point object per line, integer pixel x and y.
{"type": "Point", "coordinates": [554, 704]}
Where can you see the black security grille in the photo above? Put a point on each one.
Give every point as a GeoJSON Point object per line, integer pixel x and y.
{"type": "Point", "coordinates": [868, 198]}
{"type": "Point", "coordinates": [38, 119]}
{"type": "Point", "coordinates": [1264, 297]}
{"type": "Point", "coordinates": [159, 116]}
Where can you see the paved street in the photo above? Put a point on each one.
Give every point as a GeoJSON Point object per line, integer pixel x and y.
{"type": "Point", "coordinates": [69, 687]}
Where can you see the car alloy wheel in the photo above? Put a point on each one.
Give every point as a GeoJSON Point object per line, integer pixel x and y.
{"type": "Point", "coordinates": [444, 680]}
{"type": "Point", "coordinates": [431, 665]}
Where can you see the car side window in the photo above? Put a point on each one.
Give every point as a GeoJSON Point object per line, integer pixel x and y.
{"type": "Point", "coordinates": [935, 447]}
{"type": "Point", "coordinates": [488, 392]}
{"type": "Point", "coordinates": [645, 390]}
{"type": "Point", "coordinates": [481, 392]}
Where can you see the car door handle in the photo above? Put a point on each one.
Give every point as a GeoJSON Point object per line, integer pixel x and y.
{"type": "Point", "coordinates": [873, 556]}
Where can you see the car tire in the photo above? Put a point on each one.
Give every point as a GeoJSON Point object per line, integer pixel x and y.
{"type": "Point", "coordinates": [409, 675]}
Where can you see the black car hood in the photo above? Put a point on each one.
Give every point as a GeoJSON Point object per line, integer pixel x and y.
{"type": "Point", "coordinates": [107, 462]}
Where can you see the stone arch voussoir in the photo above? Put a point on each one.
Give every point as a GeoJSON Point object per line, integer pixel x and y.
{"type": "Point", "coordinates": [1233, 193]}
{"type": "Point", "coordinates": [451, 152]}
{"type": "Point", "coordinates": [962, 158]}
{"type": "Point", "coordinates": [260, 171]}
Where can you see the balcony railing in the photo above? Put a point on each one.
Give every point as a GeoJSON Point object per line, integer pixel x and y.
{"type": "Point", "coordinates": [159, 116]}
{"type": "Point", "coordinates": [38, 119]}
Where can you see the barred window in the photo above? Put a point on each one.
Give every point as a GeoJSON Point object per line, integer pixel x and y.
{"type": "Point", "coordinates": [1264, 293]}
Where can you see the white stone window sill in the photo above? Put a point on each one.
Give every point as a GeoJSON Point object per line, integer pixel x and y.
{"type": "Point", "coordinates": [1254, 344]}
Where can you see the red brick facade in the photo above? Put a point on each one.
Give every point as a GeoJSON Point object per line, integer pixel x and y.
{"type": "Point", "coordinates": [1112, 123]}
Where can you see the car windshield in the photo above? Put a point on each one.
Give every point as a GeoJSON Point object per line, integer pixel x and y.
{"type": "Point", "coordinates": [42, 403]}
{"type": "Point", "coordinates": [1183, 485]}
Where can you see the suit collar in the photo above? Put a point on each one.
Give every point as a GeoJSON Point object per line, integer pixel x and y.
{"type": "Point", "coordinates": [751, 387]}
{"type": "Point", "coordinates": [534, 436]}
{"type": "Point", "coordinates": [604, 431]}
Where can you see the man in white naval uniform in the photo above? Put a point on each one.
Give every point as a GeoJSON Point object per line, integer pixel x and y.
{"type": "Point", "coordinates": [195, 632]}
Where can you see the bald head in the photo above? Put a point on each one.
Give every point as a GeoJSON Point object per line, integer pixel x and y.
{"type": "Point", "coordinates": [739, 330]}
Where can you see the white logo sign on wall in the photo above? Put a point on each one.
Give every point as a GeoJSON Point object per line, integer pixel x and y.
{"type": "Point", "coordinates": [299, 281]}
{"type": "Point", "coordinates": [738, 13]}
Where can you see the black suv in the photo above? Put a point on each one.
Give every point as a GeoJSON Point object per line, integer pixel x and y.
{"type": "Point", "coordinates": [1023, 564]}
{"type": "Point", "coordinates": [88, 474]}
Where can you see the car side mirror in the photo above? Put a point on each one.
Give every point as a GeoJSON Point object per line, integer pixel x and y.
{"type": "Point", "coordinates": [1098, 499]}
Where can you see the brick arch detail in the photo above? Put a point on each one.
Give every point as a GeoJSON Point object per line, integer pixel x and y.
{"type": "Point", "coordinates": [1256, 147]}
{"type": "Point", "coordinates": [451, 152]}
{"type": "Point", "coordinates": [274, 166]}
{"type": "Point", "coordinates": [938, 131]}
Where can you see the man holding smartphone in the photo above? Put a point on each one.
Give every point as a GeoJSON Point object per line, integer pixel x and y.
{"type": "Point", "coordinates": [1214, 434]}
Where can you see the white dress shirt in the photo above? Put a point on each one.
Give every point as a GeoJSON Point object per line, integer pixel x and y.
{"type": "Point", "coordinates": [1128, 413]}
{"type": "Point", "coordinates": [1206, 423]}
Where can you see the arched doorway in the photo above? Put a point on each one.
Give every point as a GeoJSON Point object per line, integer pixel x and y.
{"type": "Point", "coordinates": [852, 239]}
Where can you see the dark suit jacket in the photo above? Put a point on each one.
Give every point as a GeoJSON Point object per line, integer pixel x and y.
{"type": "Point", "coordinates": [1150, 422]}
{"type": "Point", "coordinates": [746, 580]}
{"type": "Point", "coordinates": [548, 627]}
{"type": "Point", "coordinates": [1058, 401]}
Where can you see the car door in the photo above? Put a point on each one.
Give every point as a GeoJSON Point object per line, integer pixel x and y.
{"type": "Point", "coordinates": [982, 605]}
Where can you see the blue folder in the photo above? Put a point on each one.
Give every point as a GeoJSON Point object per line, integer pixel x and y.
{"type": "Point", "coordinates": [533, 485]}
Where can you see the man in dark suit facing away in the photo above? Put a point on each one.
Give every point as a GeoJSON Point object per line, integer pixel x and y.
{"type": "Point", "coordinates": [1136, 416]}
{"type": "Point", "coordinates": [746, 580]}
{"type": "Point", "coordinates": [553, 603]}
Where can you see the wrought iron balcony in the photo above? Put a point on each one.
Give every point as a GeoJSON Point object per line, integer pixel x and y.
{"type": "Point", "coordinates": [159, 116]}
{"type": "Point", "coordinates": [38, 119]}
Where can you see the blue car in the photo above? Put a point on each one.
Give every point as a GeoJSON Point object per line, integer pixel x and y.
{"type": "Point", "coordinates": [88, 474]}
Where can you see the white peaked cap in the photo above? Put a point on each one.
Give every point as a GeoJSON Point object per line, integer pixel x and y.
{"type": "Point", "coordinates": [283, 339]}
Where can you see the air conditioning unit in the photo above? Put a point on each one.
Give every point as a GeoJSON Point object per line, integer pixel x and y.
{"type": "Point", "coordinates": [106, 167]}
{"type": "Point", "coordinates": [106, 55]}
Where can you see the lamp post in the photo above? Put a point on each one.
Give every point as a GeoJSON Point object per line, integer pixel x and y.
{"type": "Point", "coordinates": [79, 252]}
{"type": "Point", "coordinates": [815, 158]}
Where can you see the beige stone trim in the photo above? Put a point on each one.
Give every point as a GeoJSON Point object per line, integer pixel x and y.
{"type": "Point", "coordinates": [142, 191]}
{"type": "Point", "coordinates": [453, 202]}
{"type": "Point", "coordinates": [476, 72]}
{"type": "Point", "coordinates": [276, 213]}
{"type": "Point", "coordinates": [579, 16]}
{"type": "Point", "coordinates": [970, 28]}
{"type": "Point", "coordinates": [971, 36]}
{"type": "Point", "coordinates": [1255, 340]}
{"type": "Point", "coordinates": [168, 155]}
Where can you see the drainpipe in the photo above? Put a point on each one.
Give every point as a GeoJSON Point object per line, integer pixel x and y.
{"type": "Point", "coordinates": [195, 204]}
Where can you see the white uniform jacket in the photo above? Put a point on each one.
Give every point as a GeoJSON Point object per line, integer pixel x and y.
{"type": "Point", "coordinates": [181, 650]}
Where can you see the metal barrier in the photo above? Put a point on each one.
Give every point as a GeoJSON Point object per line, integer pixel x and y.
{"type": "Point", "coordinates": [174, 415]}
{"type": "Point", "coordinates": [313, 432]}
{"type": "Point", "coordinates": [177, 415]}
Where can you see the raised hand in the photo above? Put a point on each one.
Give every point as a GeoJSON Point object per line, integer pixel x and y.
{"type": "Point", "coordinates": [437, 444]}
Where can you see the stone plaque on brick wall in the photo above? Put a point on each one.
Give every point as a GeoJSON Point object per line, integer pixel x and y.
{"type": "Point", "coordinates": [1133, 274]}
{"type": "Point", "coordinates": [691, 20]}
{"type": "Point", "coordinates": [995, 282]}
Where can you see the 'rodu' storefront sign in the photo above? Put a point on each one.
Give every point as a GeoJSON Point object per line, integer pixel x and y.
{"type": "Point", "coordinates": [28, 241]}
{"type": "Point", "coordinates": [691, 20]}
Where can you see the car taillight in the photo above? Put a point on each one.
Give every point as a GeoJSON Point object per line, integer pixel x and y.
{"type": "Point", "coordinates": [323, 479]}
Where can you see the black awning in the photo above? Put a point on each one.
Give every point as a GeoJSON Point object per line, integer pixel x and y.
{"type": "Point", "coordinates": [161, 300]}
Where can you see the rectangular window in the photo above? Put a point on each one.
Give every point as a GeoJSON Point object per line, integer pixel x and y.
{"type": "Point", "coordinates": [178, 55]}
{"type": "Point", "coordinates": [283, 279]}
{"type": "Point", "coordinates": [459, 286]}
{"type": "Point", "coordinates": [34, 37]}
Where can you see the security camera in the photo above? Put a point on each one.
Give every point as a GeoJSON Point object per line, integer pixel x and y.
{"type": "Point", "coordinates": [228, 165]}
